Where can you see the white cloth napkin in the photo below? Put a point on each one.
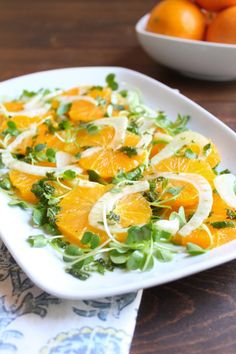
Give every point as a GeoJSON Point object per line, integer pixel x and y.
{"type": "Point", "coordinates": [34, 322]}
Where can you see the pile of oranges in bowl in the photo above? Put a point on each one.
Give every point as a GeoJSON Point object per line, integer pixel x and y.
{"type": "Point", "coordinates": [206, 20]}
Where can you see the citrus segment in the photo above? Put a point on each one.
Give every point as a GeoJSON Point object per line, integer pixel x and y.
{"type": "Point", "coordinates": [183, 164]}
{"type": "Point", "coordinates": [133, 209]}
{"type": "Point", "coordinates": [85, 111]}
{"type": "Point", "coordinates": [23, 183]}
{"type": "Point", "coordinates": [107, 163]}
{"type": "Point", "coordinates": [72, 219]}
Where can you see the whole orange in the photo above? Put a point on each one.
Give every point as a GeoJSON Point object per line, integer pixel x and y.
{"type": "Point", "coordinates": [223, 27]}
{"type": "Point", "coordinates": [215, 5]}
{"type": "Point", "coordinates": [178, 18]}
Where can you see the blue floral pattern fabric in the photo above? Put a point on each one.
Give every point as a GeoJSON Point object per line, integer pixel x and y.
{"type": "Point", "coordinates": [34, 322]}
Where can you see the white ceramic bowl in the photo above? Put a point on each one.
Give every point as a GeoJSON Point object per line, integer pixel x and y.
{"type": "Point", "coordinates": [199, 59]}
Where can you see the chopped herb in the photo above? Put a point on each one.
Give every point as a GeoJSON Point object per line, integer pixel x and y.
{"type": "Point", "coordinates": [51, 155]}
{"type": "Point", "coordinates": [129, 151]}
{"type": "Point", "coordinates": [92, 129]}
{"type": "Point", "coordinates": [101, 101]}
{"type": "Point", "coordinates": [222, 224]}
{"type": "Point", "coordinates": [37, 241]}
{"type": "Point", "coordinates": [69, 174]}
{"type": "Point", "coordinates": [20, 203]}
{"type": "Point", "coordinates": [1, 163]}
{"type": "Point", "coordinates": [194, 250]}
{"type": "Point", "coordinates": [91, 239]}
{"type": "Point", "coordinates": [231, 214]}
{"type": "Point", "coordinates": [175, 190]}
{"type": "Point", "coordinates": [28, 94]}
{"type": "Point", "coordinates": [207, 149]}
{"type": "Point", "coordinates": [133, 127]}
{"type": "Point", "coordinates": [5, 182]}
{"type": "Point", "coordinates": [118, 107]}
{"type": "Point", "coordinates": [99, 88]}
{"type": "Point", "coordinates": [113, 216]}
{"type": "Point", "coordinates": [65, 124]}
{"type": "Point", "coordinates": [225, 171]}
{"type": "Point", "coordinates": [190, 154]}
{"type": "Point", "coordinates": [170, 127]}
{"type": "Point", "coordinates": [46, 210]}
{"type": "Point", "coordinates": [63, 108]}
{"type": "Point", "coordinates": [123, 93]}
{"type": "Point", "coordinates": [95, 177]}
{"type": "Point", "coordinates": [11, 129]}
{"type": "Point", "coordinates": [51, 127]}
{"type": "Point", "coordinates": [133, 175]}
{"type": "Point", "coordinates": [111, 82]}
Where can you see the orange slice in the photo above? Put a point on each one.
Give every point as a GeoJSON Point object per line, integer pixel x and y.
{"type": "Point", "coordinates": [72, 220]}
{"type": "Point", "coordinates": [14, 106]}
{"type": "Point", "coordinates": [52, 141]}
{"type": "Point", "coordinates": [102, 138]}
{"type": "Point", "coordinates": [85, 111]}
{"type": "Point", "coordinates": [107, 163]}
{"type": "Point", "coordinates": [183, 164]}
{"type": "Point", "coordinates": [133, 209]}
{"type": "Point", "coordinates": [23, 183]}
{"type": "Point", "coordinates": [188, 196]}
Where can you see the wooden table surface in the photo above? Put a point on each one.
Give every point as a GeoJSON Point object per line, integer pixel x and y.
{"type": "Point", "coordinates": [193, 315]}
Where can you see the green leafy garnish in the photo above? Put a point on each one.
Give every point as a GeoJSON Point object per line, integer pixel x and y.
{"type": "Point", "coordinates": [190, 154]}
{"type": "Point", "coordinates": [222, 224]}
{"type": "Point", "coordinates": [129, 150]}
{"type": "Point", "coordinates": [194, 250]}
{"type": "Point", "coordinates": [11, 129]}
{"type": "Point", "coordinates": [207, 149]}
{"type": "Point", "coordinates": [46, 210]}
{"type": "Point", "coordinates": [170, 127]}
{"type": "Point", "coordinates": [231, 214]}
{"type": "Point", "coordinates": [92, 129]}
{"type": "Point", "coordinates": [5, 182]}
{"type": "Point", "coordinates": [69, 174]}
{"type": "Point", "coordinates": [111, 82]}
{"type": "Point", "coordinates": [133, 175]}
{"type": "Point", "coordinates": [91, 239]}
{"type": "Point", "coordinates": [37, 241]}
{"type": "Point", "coordinates": [123, 93]}
{"type": "Point", "coordinates": [63, 109]}
{"type": "Point", "coordinates": [95, 177]}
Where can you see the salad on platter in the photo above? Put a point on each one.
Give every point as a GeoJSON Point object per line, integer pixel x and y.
{"type": "Point", "coordinates": [110, 182]}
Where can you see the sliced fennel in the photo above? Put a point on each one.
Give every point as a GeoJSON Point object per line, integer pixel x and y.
{"type": "Point", "coordinates": [119, 124]}
{"type": "Point", "coordinates": [171, 226]}
{"type": "Point", "coordinates": [10, 162]}
{"type": "Point", "coordinates": [179, 141]}
{"type": "Point", "coordinates": [108, 201]}
{"type": "Point", "coordinates": [70, 99]}
{"type": "Point", "coordinates": [162, 137]}
{"type": "Point", "coordinates": [204, 194]}
{"type": "Point", "coordinates": [64, 159]}
{"type": "Point", "coordinates": [225, 185]}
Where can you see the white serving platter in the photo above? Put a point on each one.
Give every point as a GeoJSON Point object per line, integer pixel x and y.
{"type": "Point", "coordinates": [41, 264]}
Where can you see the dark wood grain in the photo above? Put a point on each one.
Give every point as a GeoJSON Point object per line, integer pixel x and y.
{"type": "Point", "coordinates": [191, 316]}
